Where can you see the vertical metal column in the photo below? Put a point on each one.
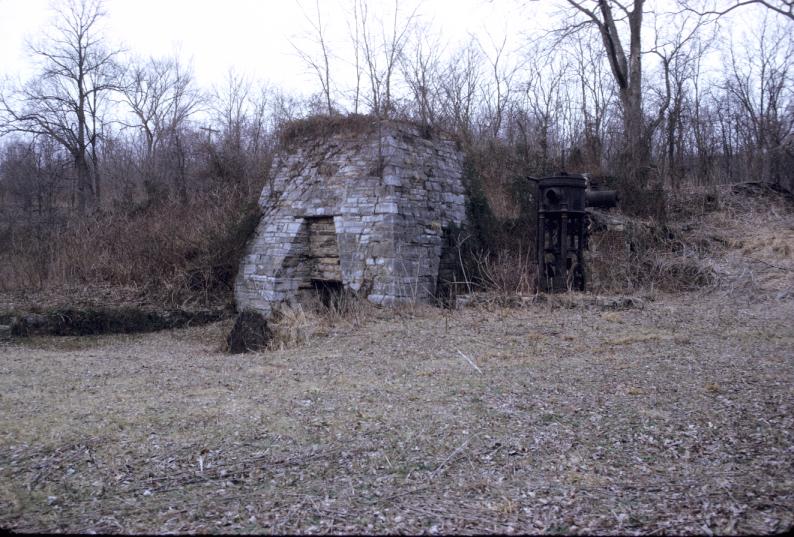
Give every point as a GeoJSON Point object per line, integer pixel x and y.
{"type": "Point", "coordinates": [561, 220]}
{"type": "Point", "coordinates": [562, 254]}
{"type": "Point", "coordinates": [580, 247]}
{"type": "Point", "coordinates": [541, 248]}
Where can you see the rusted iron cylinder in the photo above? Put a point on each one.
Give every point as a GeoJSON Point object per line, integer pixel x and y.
{"type": "Point", "coordinates": [603, 199]}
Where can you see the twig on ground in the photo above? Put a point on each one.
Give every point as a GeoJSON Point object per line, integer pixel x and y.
{"type": "Point", "coordinates": [451, 455]}
{"type": "Point", "coordinates": [786, 269]}
{"type": "Point", "coordinates": [405, 493]}
{"type": "Point", "coordinates": [472, 363]}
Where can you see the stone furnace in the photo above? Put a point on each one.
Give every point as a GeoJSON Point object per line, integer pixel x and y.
{"type": "Point", "coordinates": [365, 206]}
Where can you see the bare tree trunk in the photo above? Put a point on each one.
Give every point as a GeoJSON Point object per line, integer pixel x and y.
{"type": "Point", "coordinates": [355, 36]}
{"type": "Point", "coordinates": [83, 178]}
{"type": "Point", "coordinates": [627, 73]}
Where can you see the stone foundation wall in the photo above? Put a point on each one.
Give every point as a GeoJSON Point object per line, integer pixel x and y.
{"type": "Point", "coordinates": [391, 193]}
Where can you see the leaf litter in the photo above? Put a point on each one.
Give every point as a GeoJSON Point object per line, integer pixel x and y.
{"type": "Point", "coordinates": [562, 416]}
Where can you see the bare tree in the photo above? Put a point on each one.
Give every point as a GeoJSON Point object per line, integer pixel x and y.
{"type": "Point", "coordinates": [718, 9]}
{"type": "Point", "coordinates": [232, 109]}
{"type": "Point", "coordinates": [458, 87]}
{"type": "Point", "coordinates": [676, 55]}
{"type": "Point", "coordinates": [421, 66]}
{"type": "Point", "coordinates": [231, 106]}
{"type": "Point", "coordinates": [63, 102]}
{"type": "Point", "coordinates": [161, 96]}
{"type": "Point", "coordinates": [354, 31]}
{"type": "Point", "coordinates": [759, 81]}
{"type": "Point", "coordinates": [626, 66]}
{"type": "Point", "coordinates": [284, 108]}
{"type": "Point", "coordinates": [597, 95]}
{"type": "Point", "coordinates": [322, 65]}
{"type": "Point", "coordinates": [382, 52]}
{"type": "Point", "coordinates": [31, 176]}
{"type": "Point", "coordinates": [543, 91]}
{"type": "Point", "coordinates": [260, 125]}
{"type": "Point", "coordinates": [496, 91]}
{"type": "Point", "coordinates": [705, 113]}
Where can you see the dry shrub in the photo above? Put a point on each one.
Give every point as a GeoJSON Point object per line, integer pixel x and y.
{"type": "Point", "coordinates": [706, 225]}
{"type": "Point", "coordinates": [506, 272]}
{"type": "Point", "coordinates": [639, 200]}
{"type": "Point", "coordinates": [323, 126]}
{"type": "Point", "coordinates": [607, 262]}
{"type": "Point", "coordinates": [295, 324]}
{"type": "Point", "coordinates": [343, 306]}
{"type": "Point", "coordinates": [755, 200]}
{"type": "Point", "coordinates": [691, 201]}
{"type": "Point", "coordinates": [291, 326]}
{"type": "Point", "coordinates": [677, 273]}
{"type": "Point", "coordinates": [25, 254]}
{"type": "Point", "coordinates": [497, 173]}
{"type": "Point", "coordinates": [649, 255]}
{"type": "Point", "coordinates": [497, 255]}
{"type": "Point", "coordinates": [174, 253]}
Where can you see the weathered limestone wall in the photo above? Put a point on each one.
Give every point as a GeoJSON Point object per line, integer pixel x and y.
{"type": "Point", "coordinates": [391, 192]}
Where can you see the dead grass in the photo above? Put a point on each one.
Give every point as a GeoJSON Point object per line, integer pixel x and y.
{"type": "Point", "coordinates": [753, 238]}
{"type": "Point", "coordinates": [576, 423]}
{"type": "Point", "coordinates": [670, 413]}
{"type": "Point", "coordinates": [633, 338]}
{"type": "Point", "coordinates": [322, 126]}
{"type": "Point", "coordinates": [703, 249]}
{"type": "Point", "coordinates": [168, 253]}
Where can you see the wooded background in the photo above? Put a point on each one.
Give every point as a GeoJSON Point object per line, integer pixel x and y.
{"type": "Point", "coordinates": [106, 155]}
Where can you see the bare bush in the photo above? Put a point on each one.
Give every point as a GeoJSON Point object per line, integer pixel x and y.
{"type": "Point", "coordinates": [647, 255]}
{"type": "Point", "coordinates": [506, 272]}
{"type": "Point", "coordinates": [169, 251]}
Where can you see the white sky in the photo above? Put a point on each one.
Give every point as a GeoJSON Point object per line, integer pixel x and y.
{"type": "Point", "coordinates": [253, 36]}
{"type": "Point", "coordinates": [250, 36]}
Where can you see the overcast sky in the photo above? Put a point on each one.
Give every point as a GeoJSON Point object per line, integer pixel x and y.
{"type": "Point", "coordinates": [251, 36]}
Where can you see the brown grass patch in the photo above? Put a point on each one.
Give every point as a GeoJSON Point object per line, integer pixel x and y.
{"type": "Point", "coordinates": [169, 253]}
{"type": "Point", "coordinates": [163, 432]}
{"type": "Point", "coordinates": [324, 126]}
{"type": "Point", "coordinates": [632, 339]}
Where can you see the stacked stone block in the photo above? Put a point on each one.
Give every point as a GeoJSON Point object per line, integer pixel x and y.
{"type": "Point", "coordinates": [323, 258]}
{"type": "Point", "coordinates": [390, 192]}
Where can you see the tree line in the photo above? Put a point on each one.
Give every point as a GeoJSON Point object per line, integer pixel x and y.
{"type": "Point", "coordinates": [650, 91]}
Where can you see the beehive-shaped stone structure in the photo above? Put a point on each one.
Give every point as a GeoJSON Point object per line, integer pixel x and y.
{"type": "Point", "coordinates": [366, 206]}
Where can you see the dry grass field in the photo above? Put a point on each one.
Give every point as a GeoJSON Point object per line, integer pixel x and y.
{"type": "Point", "coordinates": [670, 413]}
